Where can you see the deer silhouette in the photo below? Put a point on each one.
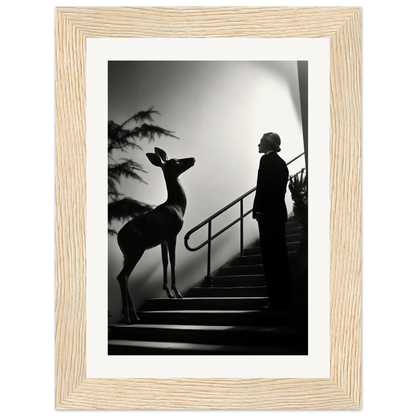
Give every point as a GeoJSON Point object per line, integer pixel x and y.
{"type": "Point", "coordinates": [159, 226]}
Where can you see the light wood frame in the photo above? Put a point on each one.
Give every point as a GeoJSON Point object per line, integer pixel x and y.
{"type": "Point", "coordinates": [343, 27]}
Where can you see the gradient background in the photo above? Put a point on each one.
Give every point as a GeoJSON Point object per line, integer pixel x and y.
{"type": "Point", "coordinates": [219, 110]}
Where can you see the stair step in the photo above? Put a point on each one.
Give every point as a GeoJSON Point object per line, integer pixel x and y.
{"type": "Point", "coordinates": [293, 238]}
{"type": "Point", "coordinates": [244, 291]}
{"type": "Point", "coordinates": [292, 229]}
{"type": "Point", "coordinates": [291, 225]}
{"type": "Point", "coordinates": [252, 251]}
{"type": "Point", "coordinates": [241, 270]}
{"type": "Point", "coordinates": [247, 260]}
{"type": "Point", "coordinates": [208, 334]}
{"type": "Point", "coordinates": [235, 280]}
{"type": "Point", "coordinates": [215, 317]}
{"type": "Point", "coordinates": [250, 260]}
{"type": "Point", "coordinates": [232, 303]}
{"type": "Point", "coordinates": [292, 246]}
{"type": "Point", "coordinates": [125, 347]}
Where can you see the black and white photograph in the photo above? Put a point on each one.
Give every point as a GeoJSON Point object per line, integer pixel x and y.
{"type": "Point", "coordinates": [210, 255]}
{"type": "Point", "coordinates": [208, 207]}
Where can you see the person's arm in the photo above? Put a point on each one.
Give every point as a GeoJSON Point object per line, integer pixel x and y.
{"type": "Point", "coordinates": [259, 192]}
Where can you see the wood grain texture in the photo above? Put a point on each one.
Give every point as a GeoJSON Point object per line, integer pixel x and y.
{"type": "Point", "coordinates": [343, 389]}
{"type": "Point", "coordinates": [70, 213]}
{"type": "Point", "coordinates": [197, 22]}
{"type": "Point", "coordinates": [208, 394]}
{"type": "Point", "coordinates": [345, 203]}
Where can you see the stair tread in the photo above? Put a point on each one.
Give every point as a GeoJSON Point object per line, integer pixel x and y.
{"type": "Point", "coordinates": [249, 256]}
{"type": "Point", "coordinates": [240, 298]}
{"type": "Point", "coordinates": [232, 317]}
{"type": "Point", "coordinates": [241, 269]}
{"type": "Point", "coordinates": [237, 275]}
{"type": "Point", "coordinates": [228, 287]}
{"type": "Point", "coordinates": [235, 328]}
{"type": "Point", "coordinates": [227, 291]}
{"type": "Point", "coordinates": [213, 311]}
{"type": "Point", "coordinates": [252, 279]}
{"type": "Point", "coordinates": [203, 349]}
{"type": "Point", "coordinates": [206, 302]}
{"type": "Point", "coordinates": [206, 333]}
{"type": "Point", "coordinates": [245, 266]}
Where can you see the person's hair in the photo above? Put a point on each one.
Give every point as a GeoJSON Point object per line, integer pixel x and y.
{"type": "Point", "coordinates": [274, 140]}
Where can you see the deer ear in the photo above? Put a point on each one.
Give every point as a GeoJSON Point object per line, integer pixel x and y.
{"type": "Point", "coordinates": [161, 153]}
{"type": "Point", "coordinates": [155, 159]}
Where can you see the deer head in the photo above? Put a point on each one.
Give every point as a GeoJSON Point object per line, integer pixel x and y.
{"type": "Point", "coordinates": [172, 168]}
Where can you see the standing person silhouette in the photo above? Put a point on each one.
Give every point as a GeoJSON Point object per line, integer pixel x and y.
{"type": "Point", "coordinates": [269, 209]}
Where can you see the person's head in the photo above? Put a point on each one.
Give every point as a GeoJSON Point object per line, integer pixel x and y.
{"type": "Point", "coordinates": [269, 142]}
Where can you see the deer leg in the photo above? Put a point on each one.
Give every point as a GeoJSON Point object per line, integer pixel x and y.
{"type": "Point", "coordinates": [128, 310]}
{"type": "Point", "coordinates": [172, 258]}
{"type": "Point", "coordinates": [134, 319]}
{"type": "Point", "coordinates": [165, 269]}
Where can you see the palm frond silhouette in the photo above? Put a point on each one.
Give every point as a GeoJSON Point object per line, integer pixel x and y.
{"type": "Point", "coordinates": [298, 186]}
{"type": "Point", "coordinates": [121, 138]}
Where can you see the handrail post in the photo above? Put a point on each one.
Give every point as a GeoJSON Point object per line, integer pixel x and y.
{"type": "Point", "coordinates": [209, 250]}
{"type": "Point", "coordinates": [241, 228]}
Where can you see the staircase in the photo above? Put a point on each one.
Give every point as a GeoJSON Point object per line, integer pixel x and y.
{"type": "Point", "coordinates": [219, 316]}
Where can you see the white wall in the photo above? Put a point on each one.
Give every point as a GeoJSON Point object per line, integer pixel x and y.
{"type": "Point", "coordinates": [219, 110]}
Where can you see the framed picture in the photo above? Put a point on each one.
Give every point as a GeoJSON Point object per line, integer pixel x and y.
{"type": "Point", "coordinates": [206, 84]}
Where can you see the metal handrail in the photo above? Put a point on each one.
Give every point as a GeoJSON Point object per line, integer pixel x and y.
{"type": "Point", "coordinates": [218, 213]}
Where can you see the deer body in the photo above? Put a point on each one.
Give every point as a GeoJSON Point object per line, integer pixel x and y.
{"type": "Point", "coordinates": [157, 227]}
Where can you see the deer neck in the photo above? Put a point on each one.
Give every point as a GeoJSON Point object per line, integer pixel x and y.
{"type": "Point", "coordinates": [176, 194]}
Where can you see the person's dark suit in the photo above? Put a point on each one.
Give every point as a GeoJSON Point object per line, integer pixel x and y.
{"type": "Point", "coordinates": [270, 201]}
